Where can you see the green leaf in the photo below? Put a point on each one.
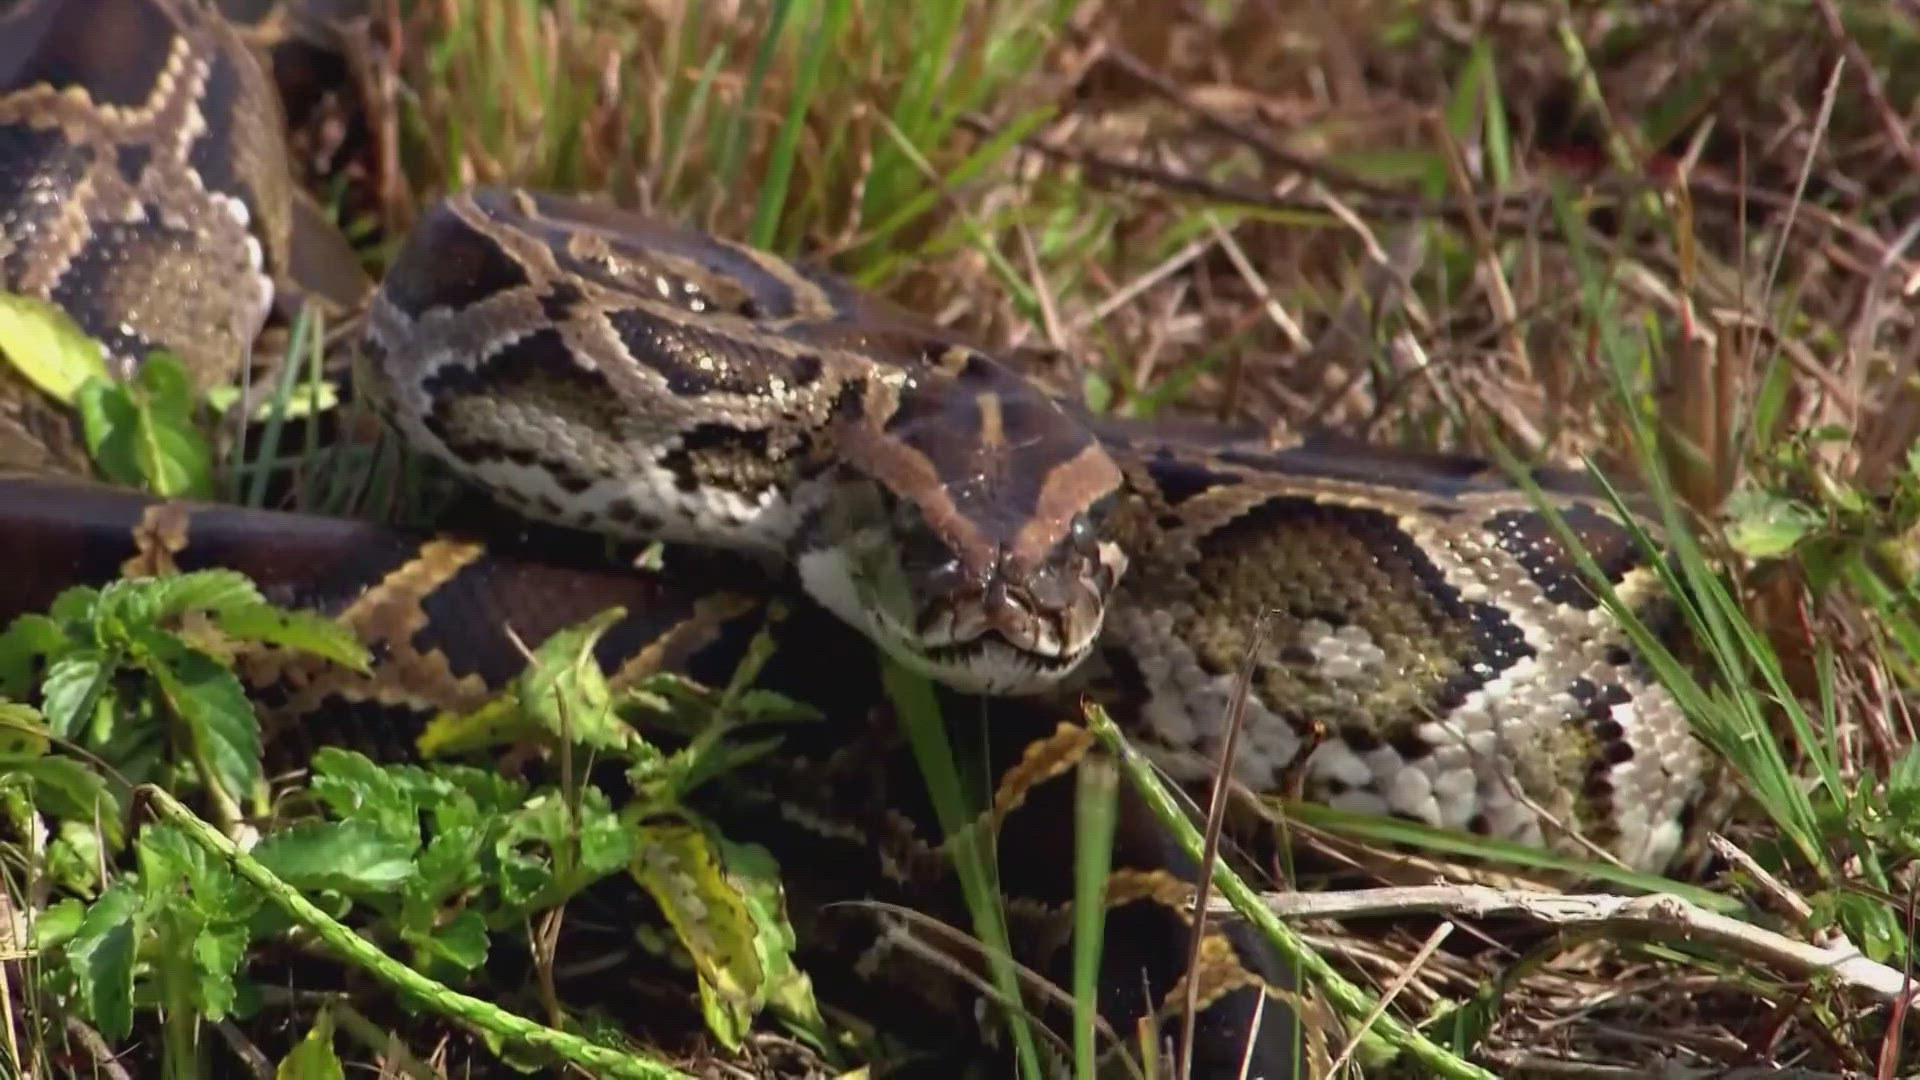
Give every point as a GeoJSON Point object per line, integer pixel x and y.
{"type": "Point", "coordinates": [108, 419]}
{"type": "Point", "coordinates": [75, 605]}
{"type": "Point", "coordinates": [561, 694]}
{"type": "Point", "coordinates": [756, 875]}
{"type": "Point", "coordinates": [302, 400]}
{"type": "Point", "coordinates": [312, 1058]}
{"type": "Point", "coordinates": [213, 590]}
{"type": "Point", "coordinates": [28, 638]}
{"type": "Point", "coordinates": [144, 433]}
{"type": "Point", "coordinates": [65, 788]}
{"type": "Point", "coordinates": [1765, 526]}
{"type": "Point", "coordinates": [23, 731]}
{"type": "Point", "coordinates": [680, 869]}
{"type": "Point", "coordinates": [75, 858]}
{"type": "Point", "coordinates": [564, 690]}
{"type": "Point", "coordinates": [351, 784]}
{"type": "Point", "coordinates": [1871, 923]}
{"type": "Point", "coordinates": [100, 954]}
{"type": "Point", "coordinates": [173, 455]}
{"type": "Point", "coordinates": [73, 686]}
{"type": "Point", "coordinates": [48, 347]}
{"type": "Point", "coordinates": [220, 720]}
{"type": "Point", "coordinates": [353, 857]}
{"type": "Point", "coordinates": [217, 951]}
{"type": "Point", "coordinates": [1903, 788]}
{"type": "Point", "coordinates": [460, 941]}
{"type": "Point", "coordinates": [58, 924]}
{"type": "Point", "coordinates": [450, 864]}
{"type": "Point", "coordinates": [305, 631]}
{"type": "Point", "coordinates": [197, 923]}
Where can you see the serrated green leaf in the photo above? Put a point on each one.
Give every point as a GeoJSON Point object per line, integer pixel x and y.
{"type": "Point", "coordinates": [44, 343]}
{"type": "Point", "coordinates": [173, 455]}
{"type": "Point", "coordinates": [585, 840]}
{"type": "Point", "coordinates": [74, 856]}
{"type": "Point", "coordinates": [1763, 526]}
{"type": "Point", "coordinates": [680, 869]}
{"type": "Point", "coordinates": [312, 1058]}
{"type": "Point", "coordinates": [562, 694]}
{"type": "Point", "coordinates": [493, 794]}
{"type": "Point", "coordinates": [143, 434]}
{"type": "Point", "coordinates": [450, 864]}
{"type": "Point", "coordinates": [164, 379]}
{"type": "Point", "coordinates": [460, 941]}
{"type": "Point", "coordinates": [210, 701]}
{"type": "Point", "coordinates": [789, 990]}
{"type": "Point", "coordinates": [564, 689]}
{"type": "Point", "coordinates": [304, 631]}
{"type": "Point", "coordinates": [353, 857]}
{"type": "Point", "coordinates": [100, 955]}
{"type": "Point", "coordinates": [23, 731]}
{"type": "Point", "coordinates": [175, 460]}
{"type": "Point", "coordinates": [73, 684]}
{"type": "Point", "coordinates": [109, 420]}
{"type": "Point", "coordinates": [56, 926]}
{"type": "Point", "coordinates": [351, 784]}
{"type": "Point", "coordinates": [65, 788]}
{"type": "Point", "coordinates": [74, 605]}
{"type": "Point", "coordinates": [212, 590]}
{"type": "Point", "coordinates": [218, 949]}
{"type": "Point", "coordinates": [27, 639]}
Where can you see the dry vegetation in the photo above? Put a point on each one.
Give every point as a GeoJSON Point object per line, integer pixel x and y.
{"type": "Point", "coordinates": [1555, 227]}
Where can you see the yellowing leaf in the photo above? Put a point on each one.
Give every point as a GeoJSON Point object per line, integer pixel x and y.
{"type": "Point", "coordinates": [46, 346]}
{"type": "Point", "coordinates": [678, 865]}
{"type": "Point", "coordinates": [23, 731]}
{"type": "Point", "coordinates": [312, 1058]}
{"type": "Point", "coordinates": [498, 722]}
{"type": "Point", "coordinates": [561, 694]}
{"type": "Point", "coordinates": [303, 400]}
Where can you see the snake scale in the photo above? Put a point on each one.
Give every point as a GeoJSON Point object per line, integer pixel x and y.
{"type": "Point", "coordinates": [1430, 647]}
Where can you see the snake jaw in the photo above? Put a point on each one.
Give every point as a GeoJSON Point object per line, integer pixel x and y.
{"type": "Point", "coordinates": [1022, 630]}
{"type": "Point", "coordinates": [987, 621]}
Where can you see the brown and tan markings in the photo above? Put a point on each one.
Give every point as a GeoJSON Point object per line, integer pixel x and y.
{"type": "Point", "coordinates": [1435, 652]}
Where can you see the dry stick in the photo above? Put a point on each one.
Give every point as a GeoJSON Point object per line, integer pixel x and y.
{"type": "Point", "coordinates": [394, 1056]}
{"type": "Point", "coordinates": [1420, 958]}
{"type": "Point", "coordinates": [1255, 139]}
{"type": "Point", "coordinates": [1890, 118]}
{"type": "Point", "coordinates": [1499, 294]}
{"type": "Point", "coordinates": [1344, 996]}
{"type": "Point", "coordinates": [1210, 850]}
{"type": "Point", "coordinates": [483, 1016]}
{"type": "Point", "coordinates": [1661, 911]}
{"type": "Point", "coordinates": [97, 1049]}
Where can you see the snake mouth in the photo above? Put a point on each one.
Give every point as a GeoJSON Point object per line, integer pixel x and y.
{"type": "Point", "coordinates": [1000, 640]}
{"type": "Point", "coordinates": [990, 664]}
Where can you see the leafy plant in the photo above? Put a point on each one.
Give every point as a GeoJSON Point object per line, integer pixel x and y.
{"type": "Point", "coordinates": [140, 673]}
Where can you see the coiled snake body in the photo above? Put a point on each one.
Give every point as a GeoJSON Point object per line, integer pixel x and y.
{"type": "Point", "coordinates": [1432, 650]}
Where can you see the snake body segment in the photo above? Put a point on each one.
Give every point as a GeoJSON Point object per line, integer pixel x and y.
{"type": "Point", "coordinates": [604, 371]}
{"type": "Point", "coordinates": [1419, 640]}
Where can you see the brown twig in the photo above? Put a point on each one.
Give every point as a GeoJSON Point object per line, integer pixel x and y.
{"type": "Point", "coordinates": [1667, 915]}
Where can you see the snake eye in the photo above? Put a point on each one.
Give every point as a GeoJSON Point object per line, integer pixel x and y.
{"type": "Point", "coordinates": [1084, 530]}
{"type": "Point", "coordinates": [1081, 531]}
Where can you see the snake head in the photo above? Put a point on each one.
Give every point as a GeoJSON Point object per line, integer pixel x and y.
{"type": "Point", "coordinates": [966, 533]}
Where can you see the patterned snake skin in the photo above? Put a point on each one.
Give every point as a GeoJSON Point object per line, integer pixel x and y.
{"type": "Point", "coordinates": [1432, 649]}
